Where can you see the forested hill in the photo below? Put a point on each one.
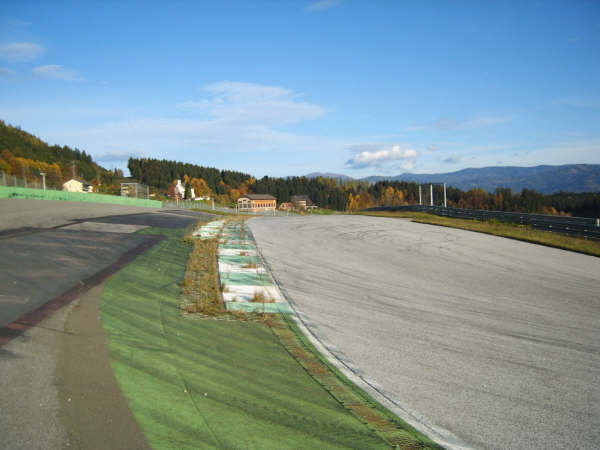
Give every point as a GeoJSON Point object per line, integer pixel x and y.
{"type": "Point", "coordinates": [161, 173]}
{"type": "Point", "coordinates": [20, 144]}
{"type": "Point", "coordinates": [544, 179]}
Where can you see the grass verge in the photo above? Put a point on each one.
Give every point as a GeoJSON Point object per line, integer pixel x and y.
{"type": "Point", "coordinates": [513, 231]}
{"type": "Point", "coordinates": [212, 383]}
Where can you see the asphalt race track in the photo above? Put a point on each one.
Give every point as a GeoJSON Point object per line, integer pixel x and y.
{"type": "Point", "coordinates": [54, 258]}
{"type": "Point", "coordinates": [492, 340]}
{"type": "Point", "coordinates": [47, 247]}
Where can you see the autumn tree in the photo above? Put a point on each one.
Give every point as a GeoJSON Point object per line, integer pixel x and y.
{"type": "Point", "coordinates": [201, 189]}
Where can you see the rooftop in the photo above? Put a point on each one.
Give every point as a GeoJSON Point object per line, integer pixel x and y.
{"type": "Point", "coordinates": [258, 196]}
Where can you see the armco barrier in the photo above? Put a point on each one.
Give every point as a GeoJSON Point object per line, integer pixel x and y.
{"type": "Point", "coordinates": [40, 194]}
{"type": "Point", "coordinates": [575, 226]}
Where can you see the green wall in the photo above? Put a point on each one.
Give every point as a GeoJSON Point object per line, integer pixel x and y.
{"type": "Point", "coordinates": [40, 194]}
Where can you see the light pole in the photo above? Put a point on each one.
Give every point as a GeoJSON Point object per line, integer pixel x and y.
{"type": "Point", "coordinates": [43, 174]}
{"type": "Point", "coordinates": [445, 202]}
{"type": "Point", "coordinates": [431, 194]}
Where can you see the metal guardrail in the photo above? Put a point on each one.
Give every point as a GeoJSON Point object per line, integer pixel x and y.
{"type": "Point", "coordinates": [574, 226]}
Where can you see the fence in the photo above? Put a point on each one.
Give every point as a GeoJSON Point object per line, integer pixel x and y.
{"type": "Point", "coordinates": [31, 182]}
{"type": "Point", "coordinates": [202, 204]}
{"type": "Point", "coordinates": [26, 188]}
{"type": "Point", "coordinates": [575, 226]}
{"type": "Point", "coordinates": [135, 190]}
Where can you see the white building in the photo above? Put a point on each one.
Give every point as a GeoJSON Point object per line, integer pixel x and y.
{"type": "Point", "coordinates": [179, 191]}
{"type": "Point", "coordinates": [77, 185]}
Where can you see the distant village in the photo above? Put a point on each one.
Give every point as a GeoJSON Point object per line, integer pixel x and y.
{"type": "Point", "coordinates": [245, 203]}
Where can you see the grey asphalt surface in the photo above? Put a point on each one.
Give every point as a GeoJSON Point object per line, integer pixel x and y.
{"type": "Point", "coordinates": [40, 369]}
{"type": "Point", "coordinates": [42, 262]}
{"type": "Point", "coordinates": [25, 213]}
{"type": "Point", "coordinates": [494, 340]}
{"type": "Point", "coordinates": [37, 267]}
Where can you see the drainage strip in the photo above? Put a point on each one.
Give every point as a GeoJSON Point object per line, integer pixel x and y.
{"type": "Point", "coordinates": [209, 230]}
{"type": "Point", "coordinates": [246, 284]}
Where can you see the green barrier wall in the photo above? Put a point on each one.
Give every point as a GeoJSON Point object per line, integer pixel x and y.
{"type": "Point", "coordinates": [40, 194]}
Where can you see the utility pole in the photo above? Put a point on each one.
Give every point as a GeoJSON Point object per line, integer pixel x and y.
{"type": "Point", "coordinates": [43, 174]}
{"type": "Point", "coordinates": [445, 202]}
{"type": "Point", "coordinates": [420, 196]}
{"type": "Point", "coordinates": [431, 194]}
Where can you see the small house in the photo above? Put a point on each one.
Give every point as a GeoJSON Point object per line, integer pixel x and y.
{"type": "Point", "coordinates": [301, 201]}
{"type": "Point", "coordinates": [77, 185]}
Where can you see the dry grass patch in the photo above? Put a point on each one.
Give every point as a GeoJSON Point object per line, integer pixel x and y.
{"type": "Point", "coordinates": [201, 290]}
{"type": "Point", "coordinates": [260, 297]}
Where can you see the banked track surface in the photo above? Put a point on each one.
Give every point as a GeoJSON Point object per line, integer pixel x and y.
{"type": "Point", "coordinates": [494, 340]}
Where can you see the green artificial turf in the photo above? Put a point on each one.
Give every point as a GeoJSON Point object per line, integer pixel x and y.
{"type": "Point", "coordinates": [195, 383]}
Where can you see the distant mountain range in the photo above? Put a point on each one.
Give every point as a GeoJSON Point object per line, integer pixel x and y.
{"type": "Point", "coordinates": [328, 175]}
{"type": "Point", "coordinates": [544, 179]}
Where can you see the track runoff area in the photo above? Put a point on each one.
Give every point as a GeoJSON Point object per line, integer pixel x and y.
{"type": "Point", "coordinates": [480, 340]}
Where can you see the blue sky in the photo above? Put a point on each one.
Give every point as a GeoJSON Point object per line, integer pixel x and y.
{"type": "Point", "coordinates": [286, 88]}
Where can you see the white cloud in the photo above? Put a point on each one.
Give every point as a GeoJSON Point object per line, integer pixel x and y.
{"type": "Point", "coordinates": [5, 72]}
{"type": "Point", "coordinates": [229, 117]}
{"type": "Point", "coordinates": [249, 103]}
{"type": "Point", "coordinates": [433, 147]}
{"type": "Point", "coordinates": [322, 5]}
{"type": "Point", "coordinates": [370, 156]}
{"type": "Point", "coordinates": [453, 159]}
{"type": "Point", "coordinates": [55, 72]}
{"type": "Point", "coordinates": [477, 122]}
{"type": "Point", "coordinates": [445, 123]}
{"type": "Point", "coordinates": [19, 51]}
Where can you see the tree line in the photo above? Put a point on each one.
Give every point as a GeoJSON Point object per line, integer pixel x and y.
{"type": "Point", "coordinates": [161, 173]}
{"type": "Point", "coordinates": [353, 195]}
{"type": "Point", "coordinates": [25, 155]}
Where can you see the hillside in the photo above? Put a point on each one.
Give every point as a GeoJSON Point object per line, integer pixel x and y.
{"type": "Point", "coordinates": [24, 154]}
{"type": "Point", "coordinates": [543, 179]}
{"type": "Point", "coordinates": [328, 175]}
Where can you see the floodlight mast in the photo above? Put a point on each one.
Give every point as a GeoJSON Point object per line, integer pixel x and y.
{"type": "Point", "coordinates": [431, 194]}
{"type": "Point", "coordinates": [445, 200]}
